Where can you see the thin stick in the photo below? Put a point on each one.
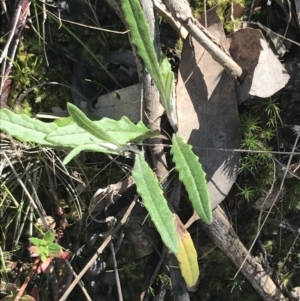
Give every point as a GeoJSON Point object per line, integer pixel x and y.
{"type": "Point", "coordinates": [91, 27]}
{"type": "Point", "coordinates": [18, 26]}
{"type": "Point", "coordinates": [43, 31]}
{"type": "Point", "coordinates": [166, 15]}
{"type": "Point", "coordinates": [232, 150]}
{"type": "Point", "coordinates": [99, 251]}
{"type": "Point", "coordinates": [181, 11]}
{"type": "Point", "coordinates": [116, 272]}
{"type": "Point", "coordinates": [11, 35]}
{"type": "Point", "coordinates": [80, 284]}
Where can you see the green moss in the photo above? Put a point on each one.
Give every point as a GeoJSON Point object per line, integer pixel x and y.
{"type": "Point", "coordinates": [223, 6]}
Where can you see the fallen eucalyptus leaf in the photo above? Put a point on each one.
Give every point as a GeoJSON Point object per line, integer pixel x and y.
{"type": "Point", "coordinates": [126, 101]}
{"type": "Point", "coordinates": [265, 74]}
{"type": "Point", "coordinates": [207, 112]}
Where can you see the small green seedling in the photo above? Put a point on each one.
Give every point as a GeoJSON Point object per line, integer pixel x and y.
{"type": "Point", "coordinates": [46, 249]}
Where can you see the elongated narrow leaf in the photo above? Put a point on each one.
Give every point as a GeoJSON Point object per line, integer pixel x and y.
{"type": "Point", "coordinates": [123, 131]}
{"type": "Point", "coordinates": [88, 125]}
{"type": "Point", "coordinates": [187, 256]}
{"type": "Point", "coordinates": [193, 177]}
{"type": "Point", "coordinates": [169, 90]}
{"type": "Point", "coordinates": [24, 128]}
{"type": "Point", "coordinates": [168, 76]}
{"type": "Point", "coordinates": [84, 122]}
{"type": "Point", "coordinates": [140, 36]}
{"type": "Point", "coordinates": [152, 195]}
{"type": "Point", "coordinates": [90, 148]}
{"type": "Point", "coordinates": [64, 133]}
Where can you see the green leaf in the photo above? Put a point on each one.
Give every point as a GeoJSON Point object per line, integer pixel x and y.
{"type": "Point", "coordinates": [140, 36]}
{"type": "Point", "coordinates": [123, 131]}
{"type": "Point", "coordinates": [169, 90]}
{"type": "Point", "coordinates": [71, 135]}
{"type": "Point", "coordinates": [87, 147]}
{"type": "Point", "coordinates": [152, 195]}
{"type": "Point", "coordinates": [88, 125]}
{"type": "Point", "coordinates": [64, 121]}
{"type": "Point", "coordinates": [65, 133]}
{"type": "Point", "coordinates": [49, 237]}
{"type": "Point", "coordinates": [109, 142]}
{"type": "Point", "coordinates": [27, 298]}
{"type": "Point", "coordinates": [44, 253]}
{"type": "Point", "coordinates": [36, 241]}
{"type": "Point", "coordinates": [193, 177]}
{"type": "Point", "coordinates": [53, 248]}
{"type": "Point", "coordinates": [24, 128]}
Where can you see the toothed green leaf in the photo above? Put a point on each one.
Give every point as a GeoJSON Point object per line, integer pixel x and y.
{"type": "Point", "coordinates": [65, 133]}
{"type": "Point", "coordinates": [49, 236]}
{"type": "Point", "coordinates": [123, 131]}
{"type": "Point", "coordinates": [85, 123]}
{"type": "Point", "coordinates": [140, 36]}
{"type": "Point", "coordinates": [192, 176]}
{"type": "Point", "coordinates": [88, 125]}
{"type": "Point", "coordinates": [37, 242]}
{"type": "Point", "coordinates": [148, 188]}
{"type": "Point", "coordinates": [24, 128]}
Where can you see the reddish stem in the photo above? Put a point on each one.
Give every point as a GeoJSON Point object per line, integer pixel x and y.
{"type": "Point", "coordinates": [31, 273]}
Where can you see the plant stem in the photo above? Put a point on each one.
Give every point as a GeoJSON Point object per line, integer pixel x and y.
{"type": "Point", "coordinates": [27, 279]}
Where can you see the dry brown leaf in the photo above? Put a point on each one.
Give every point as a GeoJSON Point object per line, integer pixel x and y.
{"type": "Point", "coordinates": [265, 74]}
{"type": "Point", "coordinates": [207, 112]}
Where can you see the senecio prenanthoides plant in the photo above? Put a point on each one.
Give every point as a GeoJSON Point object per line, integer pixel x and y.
{"type": "Point", "coordinates": [78, 133]}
